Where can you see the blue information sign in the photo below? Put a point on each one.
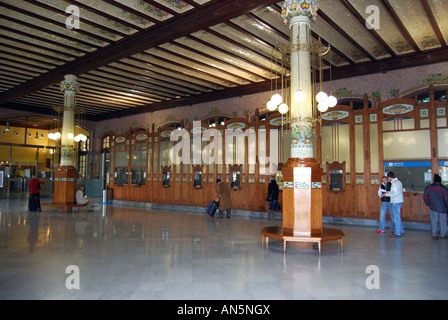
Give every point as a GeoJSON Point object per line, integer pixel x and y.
{"type": "Point", "coordinates": [392, 164]}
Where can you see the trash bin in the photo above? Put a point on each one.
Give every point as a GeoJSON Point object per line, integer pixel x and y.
{"type": "Point", "coordinates": [107, 196]}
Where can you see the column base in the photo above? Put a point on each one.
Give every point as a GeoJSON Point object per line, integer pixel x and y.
{"type": "Point", "coordinates": [302, 197]}
{"type": "Point", "coordinates": [64, 185]}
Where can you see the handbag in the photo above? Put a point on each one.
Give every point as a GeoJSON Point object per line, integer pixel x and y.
{"type": "Point", "coordinates": [270, 197]}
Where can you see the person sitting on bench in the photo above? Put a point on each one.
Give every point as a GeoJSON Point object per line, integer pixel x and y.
{"type": "Point", "coordinates": [81, 198]}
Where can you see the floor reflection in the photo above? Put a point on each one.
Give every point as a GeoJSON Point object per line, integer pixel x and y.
{"type": "Point", "coordinates": [133, 253]}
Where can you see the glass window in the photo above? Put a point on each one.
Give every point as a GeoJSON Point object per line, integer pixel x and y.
{"type": "Point", "coordinates": [414, 176]}
{"type": "Point", "coordinates": [121, 159]}
{"type": "Point", "coordinates": [166, 179]}
{"type": "Point", "coordinates": [235, 176]}
{"type": "Point", "coordinates": [198, 179]}
{"type": "Point", "coordinates": [121, 176]}
{"type": "Point", "coordinates": [138, 158]}
{"type": "Point", "coordinates": [408, 145]}
{"type": "Point", "coordinates": [138, 176]}
{"type": "Point", "coordinates": [336, 143]}
{"type": "Point", "coordinates": [443, 171]}
{"type": "Point", "coordinates": [336, 180]}
{"type": "Point", "coordinates": [106, 142]}
{"type": "Point", "coordinates": [82, 166]}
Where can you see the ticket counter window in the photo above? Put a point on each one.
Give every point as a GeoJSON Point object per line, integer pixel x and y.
{"type": "Point", "coordinates": [121, 176]}
{"type": "Point", "coordinates": [138, 176]}
{"type": "Point", "coordinates": [166, 179]}
{"type": "Point", "coordinates": [443, 172]}
{"type": "Point", "coordinates": [198, 179]}
{"type": "Point", "coordinates": [414, 176]}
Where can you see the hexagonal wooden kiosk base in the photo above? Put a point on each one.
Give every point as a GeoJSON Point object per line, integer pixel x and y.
{"type": "Point", "coordinates": [277, 233]}
{"type": "Point", "coordinates": [302, 206]}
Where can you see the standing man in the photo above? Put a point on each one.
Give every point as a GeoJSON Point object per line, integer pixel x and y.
{"type": "Point", "coordinates": [385, 205]}
{"type": "Point", "coordinates": [436, 198]}
{"type": "Point", "coordinates": [396, 201]}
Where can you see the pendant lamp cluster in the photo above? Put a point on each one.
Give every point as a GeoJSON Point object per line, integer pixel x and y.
{"type": "Point", "coordinates": [277, 102]}
{"type": "Point", "coordinates": [322, 100]}
{"type": "Point", "coordinates": [57, 135]}
{"type": "Point", "coordinates": [79, 120]}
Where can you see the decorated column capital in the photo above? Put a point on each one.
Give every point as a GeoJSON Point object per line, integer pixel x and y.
{"type": "Point", "coordinates": [299, 8]}
{"type": "Point", "coordinates": [70, 84]}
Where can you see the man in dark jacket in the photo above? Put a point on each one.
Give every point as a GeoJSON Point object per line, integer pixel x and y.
{"type": "Point", "coordinates": [385, 205]}
{"type": "Point", "coordinates": [436, 198]}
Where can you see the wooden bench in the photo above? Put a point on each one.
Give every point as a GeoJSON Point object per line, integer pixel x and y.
{"type": "Point", "coordinates": [66, 206]}
{"type": "Point", "coordinates": [278, 234]}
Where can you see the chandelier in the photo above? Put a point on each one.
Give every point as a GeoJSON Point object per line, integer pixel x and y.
{"type": "Point", "coordinates": [79, 121]}
{"type": "Point", "coordinates": [322, 101]}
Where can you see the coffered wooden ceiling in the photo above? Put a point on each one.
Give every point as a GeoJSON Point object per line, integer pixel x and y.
{"type": "Point", "coordinates": [136, 56]}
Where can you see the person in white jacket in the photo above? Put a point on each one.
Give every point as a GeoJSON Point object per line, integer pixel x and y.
{"type": "Point", "coordinates": [81, 198]}
{"type": "Point", "coordinates": [396, 201]}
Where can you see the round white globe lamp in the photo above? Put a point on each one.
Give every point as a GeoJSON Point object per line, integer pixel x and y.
{"type": "Point", "coordinates": [300, 96]}
{"type": "Point", "coordinates": [277, 99]}
{"type": "Point", "coordinates": [283, 108]}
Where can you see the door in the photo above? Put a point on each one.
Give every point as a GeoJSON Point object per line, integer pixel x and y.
{"type": "Point", "coordinates": [94, 181]}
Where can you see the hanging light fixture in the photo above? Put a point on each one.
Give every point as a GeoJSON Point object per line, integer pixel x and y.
{"type": "Point", "coordinates": [332, 101]}
{"type": "Point", "coordinates": [300, 95]}
{"type": "Point", "coordinates": [277, 99]}
{"type": "Point", "coordinates": [7, 127]}
{"type": "Point", "coordinates": [321, 97]}
{"type": "Point", "coordinates": [37, 136]}
{"type": "Point", "coordinates": [283, 108]}
{"type": "Point", "coordinates": [271, 105]}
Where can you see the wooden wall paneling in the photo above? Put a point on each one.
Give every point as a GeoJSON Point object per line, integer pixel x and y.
{"type": "Point", "coordinates": [150, 183]}
{"type": "Point", "coordinates": [350, 196]}
{"type": "Point", "coordinates": [380, 118]}
{"type": "Point", "coordinates": [356, 201]}
{"type": "Point", "coordinates": [433, 132]}
{"type": "Point", "coordinates": [362, 202]}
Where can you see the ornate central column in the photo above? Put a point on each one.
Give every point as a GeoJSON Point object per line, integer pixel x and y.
{"type": "Point", "coordinates": [302, 174]}
{"type": "Point", "coordinates": [65, 174]}
{"type": "Point", "coordinates": [70, 87]}
{"type": "Point", "coordinates": [299, 15]}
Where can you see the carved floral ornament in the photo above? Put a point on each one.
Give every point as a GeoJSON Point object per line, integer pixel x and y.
{"type": "Point", "coordinates": [297, 8]}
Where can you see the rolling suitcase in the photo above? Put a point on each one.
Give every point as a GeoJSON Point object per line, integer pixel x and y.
{"type": "Point", "coordinates": [212, 207]}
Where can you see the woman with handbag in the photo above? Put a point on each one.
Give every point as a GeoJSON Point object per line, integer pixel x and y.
{"type": "Point", "coordinates": [272, 198]}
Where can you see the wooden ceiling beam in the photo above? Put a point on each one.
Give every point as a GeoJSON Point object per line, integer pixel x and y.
{"type": "Point", "coordinates": [362, 21]}
{"type": "Point", "coordinates": [188, 23]}
{"type": "Point", "coordinates": [401, 27]}
{"type": "Point", "coordinates": [432, 19]}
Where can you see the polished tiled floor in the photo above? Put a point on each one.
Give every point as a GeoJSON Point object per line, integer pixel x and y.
{"type": "Point", "coordinates": [132, 253]}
